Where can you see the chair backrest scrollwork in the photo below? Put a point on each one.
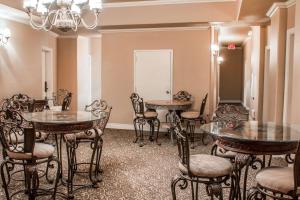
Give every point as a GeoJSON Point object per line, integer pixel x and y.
{"type": "Point", "coordinates": [10, 133]}
{"type": "Point", "coordinates": [231, 115]}
{"type": "Point", "coordinates": [182, 96]}
{"type": "Point", "coordinates": [20, 102]}
{"type": "Point", "coordinates": [39, 105]}
{"type": "Point", "coordinates": [183, 148]}
{"type": "Point", "coordinates": [137, 104]}
{"type": "Point", "coordinates": [67, 102]}
{"type": "Point", "coordinates": [203, 104]}
{"type": "Point", "coordinates": [59, 96]}
{"type": "Point", "coordinates": [100, 107]}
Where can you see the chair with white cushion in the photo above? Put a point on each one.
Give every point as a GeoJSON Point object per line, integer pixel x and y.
{"type": "Point", "coordinates": [93, 137]}
{"type": "Point", "coordinates": [280, 183]}
{"type": "Point", "coordinates": [212, 171]}
{"type": "Point", "coordinates": [192, 117]}
{"type": "Point", "coordinates": [143, 117]}
{"type": "Point", "coordinates": [33, 157]}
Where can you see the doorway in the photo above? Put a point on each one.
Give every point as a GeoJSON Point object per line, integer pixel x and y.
{"type": "Point", "coordinates": [153, 75]}
{"type": "Point", "coordinates": [47, 73]}
{"type": "Point", "coordinates": [288, 76]}
{"type": "Point", "coordinates": [231, 75]}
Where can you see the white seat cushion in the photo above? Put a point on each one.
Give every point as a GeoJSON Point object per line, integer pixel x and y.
{"type": "Point", "coordinates": [41, 151]}
{"type": "Point", "coordinates": [204, 165]}
{"type": "Point", "coordinates": [279, 179]}
{"type": "Point", "coordinates": [227, 154]}
{"type": "Point", "coordinates": [82, 135]}
{"type": "Point", "coordinates": [148, 114]}
{"type": "Point", "coordinates": [19, 138]}
{"type": "Point", "coordinates": [190, 115]}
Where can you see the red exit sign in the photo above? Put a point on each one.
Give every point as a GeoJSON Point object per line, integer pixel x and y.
{"type": "Point", "coordinates": [231, 46]}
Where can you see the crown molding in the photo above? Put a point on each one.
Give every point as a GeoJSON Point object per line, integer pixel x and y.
{"type": "Point", "coordinates": [154, 29]}
{"type": "Point", "coordinates": [159, 2]}
{"type": "Point", "coordinates": [279, 5]}
{"type": "Point", "coordinates": [19, 16]}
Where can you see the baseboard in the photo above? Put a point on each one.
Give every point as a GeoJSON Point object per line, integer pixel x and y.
{"type": "Point", "coordinates": [131, 127]}
{"type": "Point", "coordinates": [231, 101]}
{"type": "Point", "coordinates": [120, 126]}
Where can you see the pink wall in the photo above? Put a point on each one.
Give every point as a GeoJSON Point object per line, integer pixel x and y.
{"type": "Point", "coordinates": [21, 60]}
{"type": "Point", "coordinates": [191, 65]}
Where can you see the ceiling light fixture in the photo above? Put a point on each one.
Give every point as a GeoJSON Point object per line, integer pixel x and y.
{"type": "Point", "coordinates": [4, 36]}
{"type": "Point", "coordinates": [62, 14]}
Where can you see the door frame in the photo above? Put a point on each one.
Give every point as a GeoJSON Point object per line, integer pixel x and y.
{"type": "Point", "coordinates": [290, 33]}
{"type": "Point", "coordinates": [50, 50]}
{"type": "Point", "coordinates": [156, 50]}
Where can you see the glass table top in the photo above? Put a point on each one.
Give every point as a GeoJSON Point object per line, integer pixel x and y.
{"type": "Point", "coordinates": [254, 131]}
{"type": "Point", "coordinates": [62, 117]}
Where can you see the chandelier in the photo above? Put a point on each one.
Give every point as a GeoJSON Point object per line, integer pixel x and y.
{"type": "Point", "coordinates": [62, 14]}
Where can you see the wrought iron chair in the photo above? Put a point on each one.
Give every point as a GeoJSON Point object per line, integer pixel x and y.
{"type": "Point", "coordinates": [192, 117]}
{"type": "Point", "coordinates": [66, 102]}
{"type": "Point", "coordinates": [27, 154]}
{"type": "Point", "coordinates": [94, 137]}
{"type": "Point", "coordinates": [229, 116]}
{"type": "Point", "coordinates": [23, 103]}
{"type": "Point", "coordinates": [143, 117]}
{"type": "Point", "coordinates": [39, 105]}
{"type": "Point", "coordinates": [212, 171]}
{"type": "Point", "coordinates": [280, 183]}
{"type": "Point", "coordinates": [59, 97]}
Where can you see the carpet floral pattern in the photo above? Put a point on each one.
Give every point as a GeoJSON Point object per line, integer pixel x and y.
{"type": "Point", "coordinates": [131, 172]}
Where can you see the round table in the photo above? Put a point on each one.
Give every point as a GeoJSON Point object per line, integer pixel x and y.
{"type": "Point", "coordinates": [171, 106]}
{"type": "Point", "coordinates": [168, 104]}
{"type": "Point", "coordinates": [250, 139]}
{"type": "Point", "coordinates": [255, 138]}
{"type": "Point", "coordinates": [59, 123]}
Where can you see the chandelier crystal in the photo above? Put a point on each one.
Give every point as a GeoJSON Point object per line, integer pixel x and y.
{"type": "Point", "coordinates": [62, 14]}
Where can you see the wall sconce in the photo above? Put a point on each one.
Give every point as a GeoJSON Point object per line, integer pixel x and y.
{"type": "Point", "coordinates": [215, 49]}
{"type": "Point", "coordinates": [4, 36]}
{"type": "Point", "coordinates": [220, 59]}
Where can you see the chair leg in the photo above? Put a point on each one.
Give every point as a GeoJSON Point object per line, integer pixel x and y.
{"type": "Point", "coordinates": [4, 181]}
{"type": "Point", "coordinates": [98, 159]}
{"type": "Point", "coordinates": [57, 177]}
{"type": "Point", "coordinates": [136, 132]}
{"type": "Point", "coordinates": [49, 165]}
{"type": "Point", "coordinates": [71, 161]}
{"type": "Point", "coordinates": [157, 124]}
{"type": "Point", "coordinates": [151, 123]}
{"type": "Point", "coordinates": [174, 183]}
{"type": "Point", "coordinates": [253, 194]}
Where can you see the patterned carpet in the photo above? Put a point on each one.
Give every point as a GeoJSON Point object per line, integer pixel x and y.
{"type": "Point", "coordinates": [137, 173]}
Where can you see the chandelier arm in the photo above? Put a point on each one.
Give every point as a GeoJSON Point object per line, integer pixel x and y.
{"type": "Point", "coordinates": [94, 25]}
{"type": "Point", "coordinates": [35, 25]}
{"type": "Point", "coordinates": [74, 21]}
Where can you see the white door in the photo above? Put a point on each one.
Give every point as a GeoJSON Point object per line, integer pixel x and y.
{"type": "Point", "coordinates": [47, 73]}
{"type": "Point", "coordinates": [153, 75]}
